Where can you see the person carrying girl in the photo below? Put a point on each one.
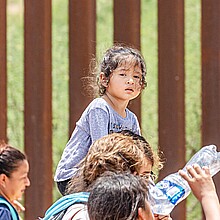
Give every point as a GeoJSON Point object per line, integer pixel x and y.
{"type": "Point", "coordinates": [119, 196]}
{"type": "Point", "coordinates": [120, 78]}
{"type": "Point", "coordinates": [117, 152]}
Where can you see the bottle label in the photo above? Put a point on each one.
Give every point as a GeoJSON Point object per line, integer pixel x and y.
{"type": "Point", "coordinates": [173, 191]}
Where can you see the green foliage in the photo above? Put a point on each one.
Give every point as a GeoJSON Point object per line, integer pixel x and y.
{"type": "Point", "coordinates": [60, 77]}
{"type": "Point", "coordinates": [193, 90]}
{"type": "Point", "coordinates": [15, 74]}
{"type": "Point", "coordinates": [149, 47]}
{"type": "Point", "coordinates": [104, 24]}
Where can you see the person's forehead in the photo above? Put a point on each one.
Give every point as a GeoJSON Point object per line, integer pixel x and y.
{"type": "Point", "coordinates": [146, 166]}
{"type": "Point", "coordinates": [129, 63]}
{"type": "Point", "coordinates": [23, 168]}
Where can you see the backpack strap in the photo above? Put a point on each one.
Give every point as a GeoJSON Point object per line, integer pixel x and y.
{"type": "Point", "coordinates": [11, 208]}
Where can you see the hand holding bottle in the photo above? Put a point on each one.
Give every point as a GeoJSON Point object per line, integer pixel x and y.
{"type": "Point", "coordinates": [203, 187]}
{"type": "Point", "coordinates": [170, 191]}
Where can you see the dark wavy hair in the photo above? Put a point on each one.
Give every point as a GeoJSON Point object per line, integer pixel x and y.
{"type": "Point", "coordinates": [10, 158]}
{"type": "Point", "coordinates": [116, 196]}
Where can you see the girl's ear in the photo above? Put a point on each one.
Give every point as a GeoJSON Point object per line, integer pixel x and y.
{"type": "Point", "coordinates": [103, 79]}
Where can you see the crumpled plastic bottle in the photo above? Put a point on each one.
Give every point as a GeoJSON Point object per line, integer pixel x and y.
{"type": "Point", "coordinates": [170, 191]}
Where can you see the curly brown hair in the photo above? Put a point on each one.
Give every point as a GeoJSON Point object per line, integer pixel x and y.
{"type": "Point", "coordinates": [114, 152]}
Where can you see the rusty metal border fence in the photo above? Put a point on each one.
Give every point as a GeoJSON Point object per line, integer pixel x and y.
{"type": "Point", "coordinates": [210, 40]}
{"type": "Point", "coordinates": [82, 45]}
{"type": "Point", "coordinates": [38, 105]}
{"type": "Point", "coordinates": [171, 89]}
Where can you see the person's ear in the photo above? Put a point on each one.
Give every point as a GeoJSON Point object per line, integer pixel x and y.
{"type": "Point", "coordinates": [103, 79]}
{"type": "Point", "coordinates": [143, 214]}
{"type": "Point", "coordinates": [2, 179]}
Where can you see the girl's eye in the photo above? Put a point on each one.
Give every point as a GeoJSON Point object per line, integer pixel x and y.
{"type": "Point", "coordinates": [137, 77]}
{"type": "Point", "coordinates": [122, 74]}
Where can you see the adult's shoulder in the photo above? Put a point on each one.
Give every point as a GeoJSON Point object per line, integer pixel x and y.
{"type": "Point", "coordinates": [76, 212]}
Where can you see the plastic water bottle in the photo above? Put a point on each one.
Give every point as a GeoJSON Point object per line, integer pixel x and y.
{"type": "Point", "coordinates": [170, 191]}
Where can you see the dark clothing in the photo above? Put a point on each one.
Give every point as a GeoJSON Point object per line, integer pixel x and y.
{"type": "Point", "coordinates": [62, 186]}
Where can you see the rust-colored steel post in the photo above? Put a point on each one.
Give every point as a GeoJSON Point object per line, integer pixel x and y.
{"type": "Point", "coordinates": [171, 89]}
{"type": "Point", "coordinates": [38, 107]}
{"type": "Point", "coordinates": [127, 31]}
{"type": "Point", "coordinates": [3, 72]}
{"type": "Point", "coordinates": [82, 44]}
{"type": "Point", "coordinates": [211, 76]}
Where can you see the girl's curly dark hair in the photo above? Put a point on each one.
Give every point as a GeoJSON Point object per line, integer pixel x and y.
{"type": "Point", "coordinates": [113, 58]}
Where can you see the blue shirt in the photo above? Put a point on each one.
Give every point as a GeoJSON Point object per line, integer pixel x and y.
{"type": "Point", "coordinates": [98, 120]}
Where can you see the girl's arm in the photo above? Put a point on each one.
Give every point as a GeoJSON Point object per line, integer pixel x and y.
{"type": "Point", "coordinates": [203, 188]}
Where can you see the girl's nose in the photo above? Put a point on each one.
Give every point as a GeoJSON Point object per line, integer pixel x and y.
{"type": "Point", "coordinates": [130, 81]}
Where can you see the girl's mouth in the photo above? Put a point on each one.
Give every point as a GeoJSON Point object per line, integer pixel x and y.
{"type": "Point", "coordinates": [131, 90]}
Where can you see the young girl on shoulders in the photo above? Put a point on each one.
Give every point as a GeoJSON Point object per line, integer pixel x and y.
{"type": "Point", "coordinates": [120, 78]}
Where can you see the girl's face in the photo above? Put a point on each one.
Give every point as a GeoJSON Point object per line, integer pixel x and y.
{"type": "Point", "coordinates": [14, 186]}
{"type": "Point", "coordinates": [145, 172]}
{"type": "Point", "coordinates": [125, 82]}
{"type": "Point", "coordinates": [146, 169]}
